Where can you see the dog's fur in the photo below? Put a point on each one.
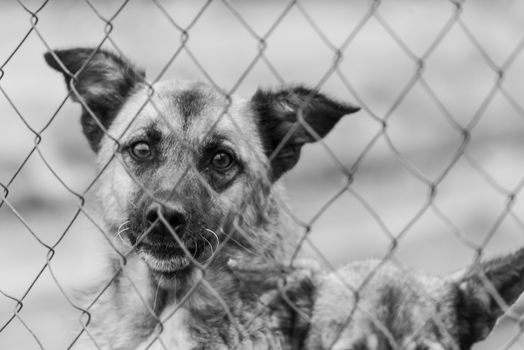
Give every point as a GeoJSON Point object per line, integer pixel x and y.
{"type": "Point", "coordinates": [372, 306]}
{"type": "Point", "coordinates": [188, 180]}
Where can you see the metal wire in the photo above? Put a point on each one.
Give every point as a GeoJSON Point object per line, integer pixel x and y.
{"type": "Point", "coordinates": [375, 13]}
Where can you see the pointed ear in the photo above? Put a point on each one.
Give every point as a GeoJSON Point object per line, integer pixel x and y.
{"type": "Point", "coordinates": [98, 79]}
{"type": "Point", "coordinates": [289, 118]}
{"type": "Point", "coordinates": [484, 294]}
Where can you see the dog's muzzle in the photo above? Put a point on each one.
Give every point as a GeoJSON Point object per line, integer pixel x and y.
{"type": "Point", "coordinates": [158, 246]}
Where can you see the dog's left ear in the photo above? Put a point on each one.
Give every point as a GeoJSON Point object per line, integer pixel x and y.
{"type": "Point", "coordinates": [289, 118]}
{"type": "Point", "coordinates": [483, 293]}
{"type": "Point", "coordinates": [100, 80]}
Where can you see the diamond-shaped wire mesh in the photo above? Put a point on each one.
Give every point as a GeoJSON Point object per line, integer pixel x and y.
{"type": "Point", "coordinates": [428, 174]}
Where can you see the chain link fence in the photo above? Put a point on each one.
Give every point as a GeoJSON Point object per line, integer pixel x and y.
{"type": "Point", "coordinates": [428, 174]}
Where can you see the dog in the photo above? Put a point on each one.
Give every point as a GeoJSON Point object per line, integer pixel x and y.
{"type": "Point", "coordinates": [378, 305]}
{"type": "Point", "coordinates": [371, 305]}
{"type": "Point", "coordinates": [188, 180]}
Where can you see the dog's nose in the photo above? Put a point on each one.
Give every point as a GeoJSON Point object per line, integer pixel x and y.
{"type": "Point", "coordinates": [175, 217]}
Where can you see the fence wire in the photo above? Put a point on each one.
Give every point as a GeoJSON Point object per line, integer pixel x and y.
{"type": "Point", "coordinates": [426, 170]}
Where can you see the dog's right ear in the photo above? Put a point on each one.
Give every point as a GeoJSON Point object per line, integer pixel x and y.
{"type": "Point", "coordinates": [484, 293]}
{"type": "Point", "coordinates": [291, 117]}
{"type": "Point", "coordinates": [101, 81]}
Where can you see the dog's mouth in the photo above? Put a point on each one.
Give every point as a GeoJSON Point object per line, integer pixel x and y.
{"type": "Point", "coordinates": [167, 258]}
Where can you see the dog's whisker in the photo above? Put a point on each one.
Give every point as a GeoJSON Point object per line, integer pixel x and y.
{"type": "Point", "coordinates": [119, 233]}
{"type": "Point", "coordinates": [196, 249]}
{"type": "Point", "coordinates": [157, 293]}
{"type": "Point", "coordinates": [214, 234]}
{"type": "Point", "coordinates": [123, 224]}
{"type": "Point", "coordinates": [212, 248]}
{"type": "Point", "coordinates": [121, 229]}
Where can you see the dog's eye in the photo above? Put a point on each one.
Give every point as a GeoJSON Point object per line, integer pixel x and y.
{"type": "Point", "coordinates": [141, 150]}
{"type": "Point", "coordinates": [222, 161]}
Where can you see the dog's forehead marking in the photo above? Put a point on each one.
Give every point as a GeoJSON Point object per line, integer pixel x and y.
{"type": "Point", "coordinates": [190, 103]}
{"type": "Point", "coordinates": [189, 99]}
{"type": "Point", "coordinates": [179, 105]}
{"type": "Point", "coordinates": [202, 112]}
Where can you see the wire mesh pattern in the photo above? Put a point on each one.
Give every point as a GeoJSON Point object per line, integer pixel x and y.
{"type": "Point", "coordinates": [429, 174]}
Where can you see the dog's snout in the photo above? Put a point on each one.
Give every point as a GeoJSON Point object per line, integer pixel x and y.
{"type": "Point", "coordinates": [174, 216]}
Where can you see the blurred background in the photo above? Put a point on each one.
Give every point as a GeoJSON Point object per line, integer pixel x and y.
{"type": "Point", "coordinates": [445, 77]}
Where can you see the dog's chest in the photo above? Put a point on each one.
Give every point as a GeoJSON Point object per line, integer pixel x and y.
{"type": "Point", "coordinates": [175, 334]}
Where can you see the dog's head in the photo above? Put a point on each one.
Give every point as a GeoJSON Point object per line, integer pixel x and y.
{"type": "Point", "coordinates": [183, 166]}
{"type": "Point", "coordinates": [368, 306]}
